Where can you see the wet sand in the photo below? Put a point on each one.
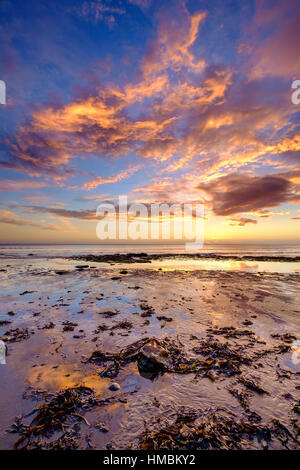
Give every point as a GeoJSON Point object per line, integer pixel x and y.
{"type": "Point", "coordinates": [229, 336]}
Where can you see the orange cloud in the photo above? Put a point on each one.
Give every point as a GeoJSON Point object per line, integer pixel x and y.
{"type": "Point", "coordinates": [172, 47]}
{"type": "Point", "coordinates": [20, 185]}
{"type": "Point", "coordinates": [93, 183]}
{"type": "Point", "coordinates": [199, 118]}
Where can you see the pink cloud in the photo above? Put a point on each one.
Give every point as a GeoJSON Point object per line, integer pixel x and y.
{"type": "Point", "coordinates": [8, 217]}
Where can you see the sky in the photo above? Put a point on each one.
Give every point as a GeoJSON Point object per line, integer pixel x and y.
{"type": "Point", "coordinates": [163, 101]}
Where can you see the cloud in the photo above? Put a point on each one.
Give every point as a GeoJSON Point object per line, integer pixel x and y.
{"type": "Point", "coordinates": [40, 199]}
{"type": "Point", "coordinates": [172, 48]}
{"type": "Point", "coordinates": [242, 221]}
{"type": "Point", "coordinates": [99, 123]}
{"type": "Point", "coordinates": [279, 54]}
{"type": "Point", "coordinates": [98, 180]}
{"type": "Point", "coordinates": [93, 197]}
{"type": "Point", "coordinates": [66, 213]}
{"type": "Point", "coordinates": [99, 11]}
{"type": "Point", "coordinates": [8, 217]}
{"type": "Point", "coordinates": [267, 213]}
{"type": "Point", "coordinates": [207, 120]}
{"type": "Point", "coordinates": [237, 193]}
{"type": "Point", "coordinates": [20, 185]}
{"type": "Point", "coordinates": [270, 13]}
{"type": "Point", "coordinates": [143, 4]}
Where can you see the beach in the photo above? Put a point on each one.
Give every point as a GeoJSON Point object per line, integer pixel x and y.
{"type": "Point", "coordinates": [145, 351]}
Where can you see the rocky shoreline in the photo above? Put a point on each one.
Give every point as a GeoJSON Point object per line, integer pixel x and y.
{"type": "Point", "coordinates": [147, 258]}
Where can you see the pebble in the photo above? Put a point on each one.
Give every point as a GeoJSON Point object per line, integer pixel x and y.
{"type": "Point", "coordinates": [114, 386]}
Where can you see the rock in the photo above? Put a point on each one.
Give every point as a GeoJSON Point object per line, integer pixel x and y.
{"type": "Point", "coordinates": [153, 357]}
{"type": "Point", "coordinates": [2, 352]}
{"type": "Point", "coordinates": [114, 387]}
{"type": "Point", "coordinates": [296, 407]}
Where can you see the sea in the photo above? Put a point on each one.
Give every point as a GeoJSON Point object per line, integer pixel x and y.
{"type": "Point", "coordinates": [60, 252]}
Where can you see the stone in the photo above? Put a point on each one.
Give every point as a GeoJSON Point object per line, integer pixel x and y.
{"type": "Point", "coordinates": [114, 387]}
{"type": "Point", "coordinates": [153, 357]}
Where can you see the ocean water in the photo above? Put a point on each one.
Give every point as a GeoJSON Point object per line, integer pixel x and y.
{"type": "Point", "coordinates": [57, 251]}
{"type": "Point", "coordinates": [19, 258]}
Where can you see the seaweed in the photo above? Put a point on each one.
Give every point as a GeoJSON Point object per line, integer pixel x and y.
{"type": "Point", "coordinates": [124, 325]}
{"type": "Point", "coordinates": [147, 311]}
{"type": "Point", "coordinates": [221, 359]}
{"type": "Point", "coordinates": [57, 415]}
{"type": "Point", "coordinates": [230, 332]}
{"type": "Point", "coordinates": [69, 326]}
{"type": "Point", "coordinates": [48, 326]}
{"type": "Point", "coordinates": [198, 430]}
{"type": "Point", "coordinates": [114, 361]}
{"type": "Point", "coordinates": [16, 335]}
{"type": "Point", "coordinates": [163, 318]}
{"type": "Point", "coordinates": [52, 416]}
{"type": "Point", "coordinates": [109, 313]}
{"type": "Point", "coordinates": [286, 338]}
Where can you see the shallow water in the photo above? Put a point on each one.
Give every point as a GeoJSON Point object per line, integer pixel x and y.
{"type": "Point", "coordinates": [195, 297]}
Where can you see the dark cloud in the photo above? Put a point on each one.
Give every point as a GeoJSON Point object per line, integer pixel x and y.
{"type": "Point", "coordinates": [242, 221]}
{"type": "Point", "coordinates": [71, 214]}
{"type": "Point", "coordinates": [278, 54]}
{"type": "Point", "coordinates": [237, 193]}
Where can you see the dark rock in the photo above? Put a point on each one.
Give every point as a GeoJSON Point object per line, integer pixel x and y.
{"type": "Point", "coordinates": [152, 357]}
{"type": "Point", "coordinates": [114, 387]}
